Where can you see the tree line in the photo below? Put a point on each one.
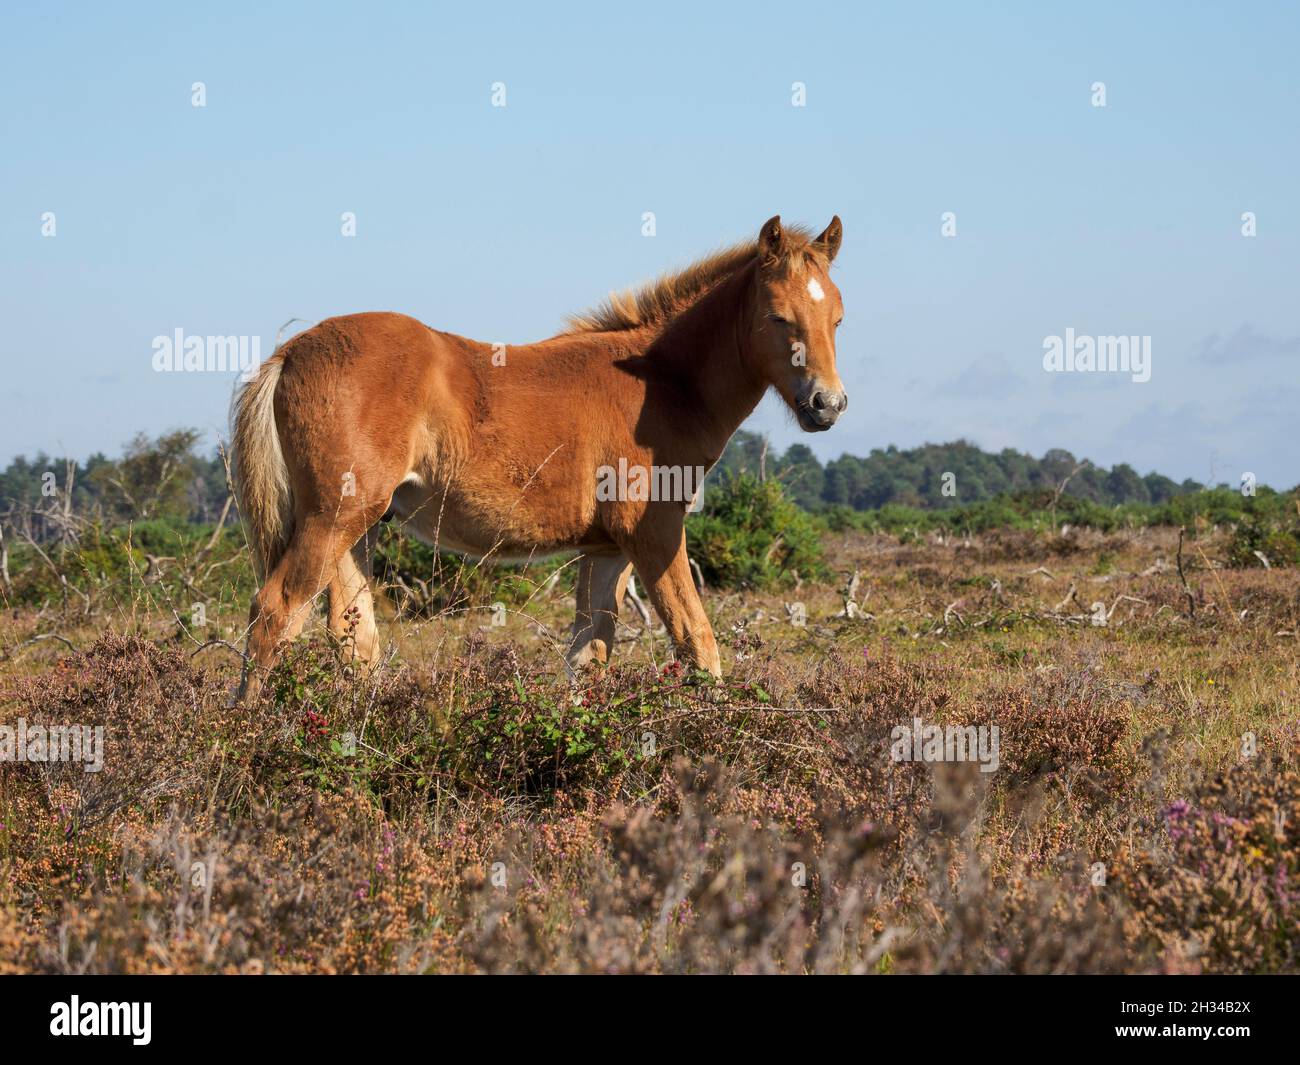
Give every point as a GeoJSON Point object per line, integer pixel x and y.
{"type": "Point", "coordinates": [937, 476]}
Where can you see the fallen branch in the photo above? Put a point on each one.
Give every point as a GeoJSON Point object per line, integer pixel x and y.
{"type": "Point", "coordinates": [1071, 594]}
{"type": "Point", "coordinates": [630, 596]}
{"type": "Point", "coordinates": [37, 639]}
{"type": "Point", "coordinates": [698, 575]}
{"type": "Point", "coordinates": [219, 643]}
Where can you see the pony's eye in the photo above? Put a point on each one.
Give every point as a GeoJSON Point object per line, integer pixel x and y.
{"type": "Point", "coordinates": [778, 318]}
{"type": "Point", "coordinates": [837, 322]}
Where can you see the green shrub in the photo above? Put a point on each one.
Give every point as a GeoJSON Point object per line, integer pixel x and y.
{"type": "Point", "coordinates": [1275, 536]}
{"type": "Point", "coordinates": [752, 535]}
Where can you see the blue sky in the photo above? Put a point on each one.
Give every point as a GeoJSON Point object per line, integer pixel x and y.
{"type": "Point", "coordinates": [494, 222]}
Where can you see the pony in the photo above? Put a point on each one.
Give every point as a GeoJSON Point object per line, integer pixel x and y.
{"type": "Point", "coordinates": [495, 450]}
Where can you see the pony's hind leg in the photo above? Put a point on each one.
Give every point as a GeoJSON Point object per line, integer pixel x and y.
{"type": "Point", "coordinates": [283, 604]}
{"type": "Point", "coordinates": [351, 605]}
{"type": "Point", "coordinates": [602, 580]}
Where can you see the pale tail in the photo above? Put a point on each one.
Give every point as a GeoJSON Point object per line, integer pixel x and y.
{"type": "Point", "coordinates": [261, 476]}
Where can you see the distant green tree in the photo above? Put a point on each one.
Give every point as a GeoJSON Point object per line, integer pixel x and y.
{"type": "Point", "coordinates": [153, 478]}
{"type": "Point", "coordinates": [802, 474]}
{"type": "Point", "coordinates": [743, 453]}
{"type": "Point", "coordinates": [842, 480]}
{"type": "Point", "coordinates": [1123, 485]}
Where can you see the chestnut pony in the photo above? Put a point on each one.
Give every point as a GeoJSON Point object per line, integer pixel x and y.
{"type": "Point", "coordinates": [492, 450]}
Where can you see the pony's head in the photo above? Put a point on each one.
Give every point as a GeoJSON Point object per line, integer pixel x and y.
{"type": "Point", "coordinates": [796, 312]}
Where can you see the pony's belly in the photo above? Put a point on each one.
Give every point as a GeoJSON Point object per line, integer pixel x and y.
{"type": "Point", "coordinates": [443, 520]}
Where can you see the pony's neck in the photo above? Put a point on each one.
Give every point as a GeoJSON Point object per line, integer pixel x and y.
{"type": "Point", "coordinates": [703, 352]}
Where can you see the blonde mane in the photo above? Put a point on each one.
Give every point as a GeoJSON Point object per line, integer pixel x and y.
{"type": "Point", "coordinates": [668, 295]}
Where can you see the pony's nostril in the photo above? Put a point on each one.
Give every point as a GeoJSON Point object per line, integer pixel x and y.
{"type": "Point", "coordinates": [819, 401]}
{"type": "Point", "coordinates": [844, 402]}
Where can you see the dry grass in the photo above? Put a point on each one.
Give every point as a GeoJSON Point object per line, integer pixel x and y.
{"type": "Point", "coordinates": [465, 810]}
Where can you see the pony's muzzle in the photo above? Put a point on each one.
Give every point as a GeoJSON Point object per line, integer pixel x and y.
{"type": "Point", "coordinates": [827, 402]}
{"type": "Point", "coordinates": [822, 409]}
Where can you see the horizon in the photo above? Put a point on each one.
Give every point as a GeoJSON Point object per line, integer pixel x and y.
{"type": "Point", "coordinates": [1110, 222]}
{"type": "Point", "coordinates": [210, 451]}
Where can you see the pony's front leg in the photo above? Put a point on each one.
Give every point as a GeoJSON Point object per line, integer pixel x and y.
{"type": "Point", "coordinates": [664, 568]}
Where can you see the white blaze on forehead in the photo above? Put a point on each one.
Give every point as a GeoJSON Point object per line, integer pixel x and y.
{"type": "Point", "coordinates": [815, 290]}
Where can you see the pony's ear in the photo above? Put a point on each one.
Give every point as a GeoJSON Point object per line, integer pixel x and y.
{"type": "Point", "coordinates": [830, 239]}
{"type": "Point", "coordinates": [770, 238]}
